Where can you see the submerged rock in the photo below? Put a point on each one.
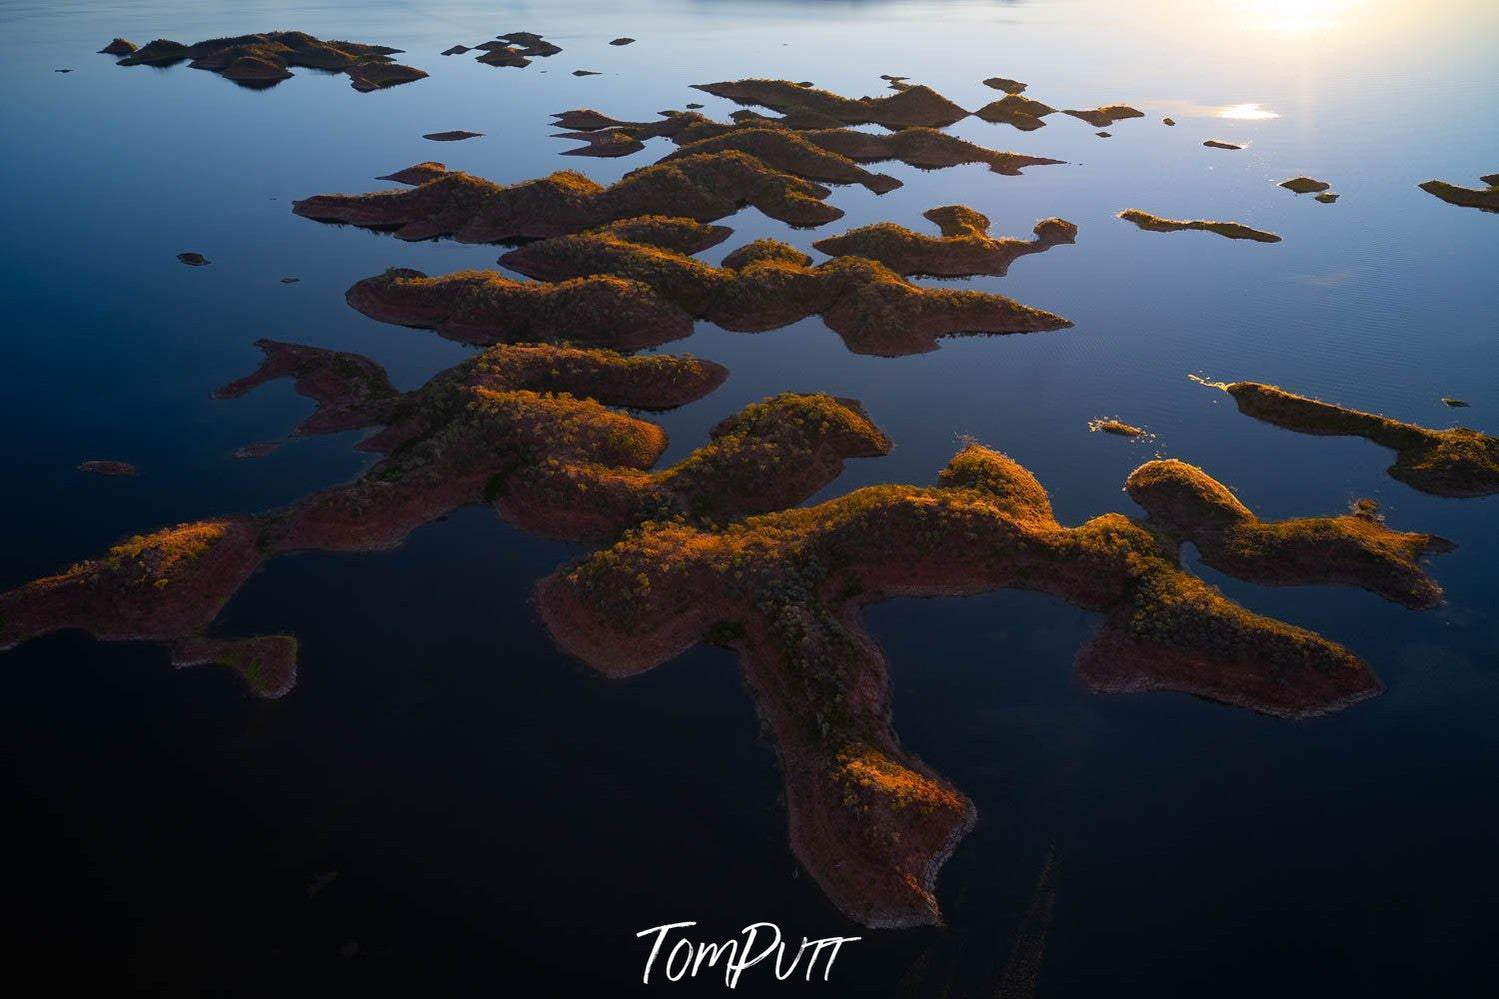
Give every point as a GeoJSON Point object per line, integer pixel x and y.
{"type": "Point", "coordinates": [1016, 111]}
{"type": "Point", "coordinates": [98, 466]}
{"type": "Point", "coordinates": [257, 449]}
{"type": "Point", "coordinates": [1232, 230]}
{"type": "Point", "coordinates": [192, 259]}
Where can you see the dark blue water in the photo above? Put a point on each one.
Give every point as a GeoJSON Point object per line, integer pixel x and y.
{"type": "Point", "coordinates": [498, 818]}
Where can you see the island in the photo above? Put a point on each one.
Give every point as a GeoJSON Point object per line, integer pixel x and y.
{"type": "Point", "coordinates": [767, 284]}
{"type": "Point", "coordinates": [1305, 185]}
{"type": "Point", "coordinates": [925, 148]}
{"type": "Point", "coordinates": [1117, 427]}
{"type": "Point", "coordinates": [108, 467]}
{"type": "Point", "coordinates": [965, 247]}
{"type": "Point", "coordinates": [485, 307]}
{"type": "Point", "coordinates": [1454, 462]}
{"type": "Point", "coordinates": [470, 209]}
{"type": "Point", "coordinates": [913, 106]}
{"type": "Point", "coordinates": [515, 50]}
{"type": "Point", "coordinates": [1231, 230]}
{"type": "Point", "coordinates": [787, 590]}
{"type": "Point", "coordinates": [525, 429]}
{"type": "Point", "coordinates": [1105, 116]}
{"type": "Point", "coordinates": [1016, 111]}
{"type": "Point", "coordinates": [263, 60]}
{"type": "Point", "coordinates": [1007, 85]}
{"type": "Point", "coordinates": [1485, 199]}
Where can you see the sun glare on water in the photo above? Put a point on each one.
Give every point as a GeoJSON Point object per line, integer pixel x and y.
{"type": "Point", "coordinates": [1299, 17]}
{"type": "Point", "coordinates": [1245, 112]}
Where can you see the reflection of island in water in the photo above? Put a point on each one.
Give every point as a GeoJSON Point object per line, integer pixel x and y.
{"type": "Point", "coordinates": [716, 547]}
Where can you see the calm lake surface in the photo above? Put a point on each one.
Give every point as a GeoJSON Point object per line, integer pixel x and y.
{"type": "Point", "coordinates": [447, 803]}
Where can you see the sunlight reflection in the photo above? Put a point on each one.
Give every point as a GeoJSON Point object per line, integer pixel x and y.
{"type": "Point", "coordinates": [1245, 112]}
{"type": "Point", "coordinates": [1298, 17]}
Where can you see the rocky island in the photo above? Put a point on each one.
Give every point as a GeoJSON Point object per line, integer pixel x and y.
{"type": "Point", "coordinates": [263, 60]}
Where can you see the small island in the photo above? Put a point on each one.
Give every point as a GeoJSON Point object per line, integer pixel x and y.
{"type": "Point", "coordinates": [1016, 111]}
{"type": "Point", "coordinates": [263, 60]}
{"type": "Point", "coordinates": [1105, 116]}
{"type": "Point", "coordinates": [1231, 230]}
{"type": "Point", "coordinates": [1118, 428]}
{"type": "Point", "coordinates": [913, 106]}
{"type": "Point", "coordinates": [706, 187]}
{"type": "Point", "coordinates": [1485, 199]}
{"type": "Point", "coordinates": [108, 467]}
{"type": "Point", "coordinates": [1305, 185]}
{"type": "Point", "coordinates": [1004, 83]}
{"type": "Point", "coordinates": [1454, 462]}
{"type": "Point", "coordinates": [965, 247]}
